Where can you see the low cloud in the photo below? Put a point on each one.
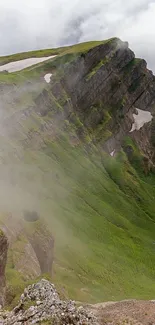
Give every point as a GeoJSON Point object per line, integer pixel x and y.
{"type": "Point", "coordinates": [32, 24]}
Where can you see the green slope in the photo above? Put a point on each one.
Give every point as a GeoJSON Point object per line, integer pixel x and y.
{"type": "Point", "coordinates": [100, 210]}
{"type": "Point", "coordinates": [81, 47]}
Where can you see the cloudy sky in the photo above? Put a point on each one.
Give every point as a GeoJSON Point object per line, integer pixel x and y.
{"type": "Point", "coordinates": [34, 24]}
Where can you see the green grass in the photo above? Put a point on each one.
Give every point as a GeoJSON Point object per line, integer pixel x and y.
{"type": "Point", "coordinates": [130, 66]}
{"type": "Point", "coordinates": [64, 54]}
{"type": "Point", "coordinates": [104, 235]}
{"type": "Point", "coordinates": [100, 209]}
{"type": "Point", "coordinates": [81, 47]}
{"type": "Point", "coordinates": [96, 68]}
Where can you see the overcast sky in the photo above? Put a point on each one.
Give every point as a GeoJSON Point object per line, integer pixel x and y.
{"type": "Point", "coordinates": [34, 24]}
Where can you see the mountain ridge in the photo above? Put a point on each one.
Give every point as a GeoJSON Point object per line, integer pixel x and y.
{"type": "Point", "coordinates": [56, 145]}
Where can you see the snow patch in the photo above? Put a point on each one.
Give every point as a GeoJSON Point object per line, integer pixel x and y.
{"type": "Point", "coordinates": [140, 119]}
{"type": "Point", "coordinates": [23, 64]}
{"type": "Point", "coordinates": [112, 153]}
{"type": "Point", "coordinates": [47, 77]}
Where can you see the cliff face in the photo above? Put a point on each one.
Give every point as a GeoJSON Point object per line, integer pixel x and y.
{"type": "Point", "coordinates": [104, 87]}
{"type": "Point", "coordinates": [110, 80]}
{"type": "Point", "coordinates": [59, 136]}
{"type": "Point", "coordinates": [31, 246]}
{"type": "Point", "coordinates": [42, 243]}
{"type": "Point", "coordinates": [3, 258]}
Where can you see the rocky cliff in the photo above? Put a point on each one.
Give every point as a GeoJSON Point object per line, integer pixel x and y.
{"type": "Point", "coordinates": [31, 244]}
{"type": "Point", "coordinates": [98, 91]}
{"type": "Point", "coordinates": [3, 258]}
{"type": "Point", "coordinates": [103, 88]}
{"type": "Point", "coordinates": [80, 149]}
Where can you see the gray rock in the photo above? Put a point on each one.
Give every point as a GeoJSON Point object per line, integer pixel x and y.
{"type": "Point", "coordinates": [46, 305]}
{"type": "Point", "coordinates": [3, 258]}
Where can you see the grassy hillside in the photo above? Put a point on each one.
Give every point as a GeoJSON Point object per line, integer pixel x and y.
{"type": "Point", "coordinates": [81, 47]}
{"type": "Point", "coordinates": [100, 210]}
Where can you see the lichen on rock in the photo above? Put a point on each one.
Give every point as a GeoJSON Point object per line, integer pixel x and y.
{"type": "Point", "coordinates": [40, 302]}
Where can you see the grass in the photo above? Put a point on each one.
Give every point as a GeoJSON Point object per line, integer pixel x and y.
{"type": "Point", "coordinates": [103, 234]}
{"type": "Point", "coordinates": [130, 66]}
{"type": "Point", "coordinates": [64, 55]}
{"type": "Point", "coordinates": [96, 68]}
{"type": "Point", "coordinates": [99, 209]}
{"type": "Point", "coordinates": [81, 47]}
{"type": "Point", "coordinates": [101, 132]}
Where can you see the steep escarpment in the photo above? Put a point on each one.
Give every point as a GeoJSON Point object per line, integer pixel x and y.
{"type": "Point", "coordinates": [79, 150]}
{"type": "Point", "coordinates": [105, 86]}
{"type": "Point", "coordinates": [3, 257]}
{"type": "Point", "coordinates": [99, 92]}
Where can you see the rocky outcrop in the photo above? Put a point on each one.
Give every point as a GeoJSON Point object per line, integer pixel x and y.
{"type": "Point", "coordinates": [21, 253]}
{"type": "Point", "coordinates": [42, 243]}
{"type": "Point", "coordinates": [104, 86]}
{"type": "Point", "coordinates": [3, 258]}
{"type": "Point", "coordinates": [40, 302]}
{"type": "Point", "coordinates": [31, 244]}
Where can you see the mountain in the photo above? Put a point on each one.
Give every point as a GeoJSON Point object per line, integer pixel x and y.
{"type": "Point", "coordinates": [77, 172]}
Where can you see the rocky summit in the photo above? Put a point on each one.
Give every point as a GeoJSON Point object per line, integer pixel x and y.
{"type": "Point", "coordinates": [41, 304]}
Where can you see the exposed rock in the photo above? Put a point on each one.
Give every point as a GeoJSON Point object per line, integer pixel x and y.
{"type": "Point", "coordinates": [40, 302]}
{"type": "Point", "coordinates": [3, 258]}
{"type": "Point", "coordinates": [108, 78]}
{"type": "Point", "coordinates": [25, 259]}
{"type": "Point", "coordinates": [21, 251]}
{"type": "Point", "coordinates": [31, 216]}
{"type": "Point", "coordinates": [42, 243]}
{"type": "Point", "coordinates": [31, 244]}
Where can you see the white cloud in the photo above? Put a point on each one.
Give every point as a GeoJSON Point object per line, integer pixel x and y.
{"type": "Point", "coordinates": [32, 24]}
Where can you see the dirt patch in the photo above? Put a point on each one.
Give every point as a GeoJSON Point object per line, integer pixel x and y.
{"type": "Point", "coordinates": [129, 312]}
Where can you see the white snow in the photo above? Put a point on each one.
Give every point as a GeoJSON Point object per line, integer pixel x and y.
{"type": "Point", "coordinates": [47, 77]}
{"type": "Point", "coordinates": [112, 153]}
{"type": "Point", "coordinates": [22, 64]}
{"type": "Point", "coordinates": [140, 119]}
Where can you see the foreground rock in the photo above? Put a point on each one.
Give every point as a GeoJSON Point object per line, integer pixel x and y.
{"type": "Point", "coordinates": [35, 243]}
{"type": "Point", "coordinates": [3, 258]}
{"type": "Point", "coordinates": [40, 303]}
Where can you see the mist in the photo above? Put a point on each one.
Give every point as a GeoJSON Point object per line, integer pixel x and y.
{"type": "Point", "coordinates": [30, 25]}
